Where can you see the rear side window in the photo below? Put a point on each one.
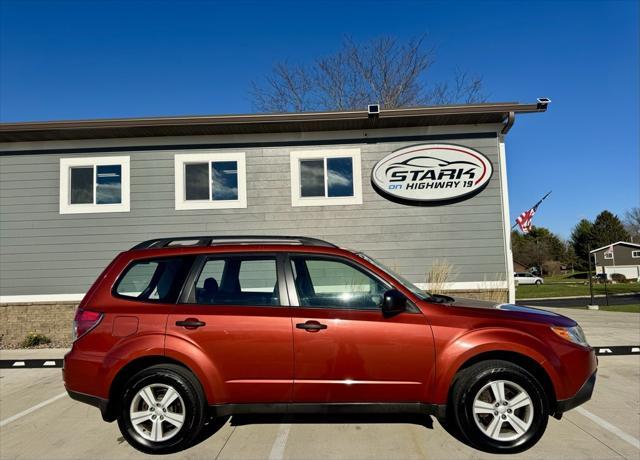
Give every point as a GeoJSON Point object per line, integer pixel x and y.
{"type": "Point", "coordinates": [157, 280]}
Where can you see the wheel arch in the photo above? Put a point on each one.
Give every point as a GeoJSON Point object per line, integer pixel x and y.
{"type": "Point", "coordinates": [512, 345]}
{"type": "Point", "coordinates": [524, 361]}
{"type": "Point", "coordinates": [129, 370]}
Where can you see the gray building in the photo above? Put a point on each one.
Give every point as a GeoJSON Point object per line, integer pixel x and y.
{"type": "Point", "coordinates": [621, 257]}
{"type": "Point", "coordinates": [75, 193]}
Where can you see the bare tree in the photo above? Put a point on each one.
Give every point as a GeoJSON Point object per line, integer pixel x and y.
{"type": "Point", "coordinates": [632, 223]}
{"type": "Point", "coordinates": [382, 70]}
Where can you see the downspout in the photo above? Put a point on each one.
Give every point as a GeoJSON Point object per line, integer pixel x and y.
{"type": "Point", "coordinates": [506, 219]}
{"type": "Point", "coordinates": [508, 122]}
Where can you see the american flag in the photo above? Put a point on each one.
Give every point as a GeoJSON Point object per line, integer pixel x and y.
{"type": "Point", "coordinates": [524, 220]}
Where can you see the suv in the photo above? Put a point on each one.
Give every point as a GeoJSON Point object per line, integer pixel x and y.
{"type": "Point", "coordinates": [179, 330]}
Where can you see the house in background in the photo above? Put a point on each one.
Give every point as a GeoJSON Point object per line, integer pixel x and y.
{"type": "Point", "coordinates": [519, 267]}
{"type": "Point", "coordinates": [621, 257]}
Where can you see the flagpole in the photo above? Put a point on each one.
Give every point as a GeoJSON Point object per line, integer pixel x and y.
{"type": "Point", "coordinates": [535, 205]}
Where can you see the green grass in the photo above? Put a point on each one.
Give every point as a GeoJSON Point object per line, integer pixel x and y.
{"type": "Point", "coordinates": [565, 278]}
{"type": "Point", "coordinates": [631, 308]}
{"type": "Point", "coordinates": [577, 288]}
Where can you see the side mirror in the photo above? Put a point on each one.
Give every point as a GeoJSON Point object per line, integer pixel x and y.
{"type": "Point", "coordinates": [393, 302]}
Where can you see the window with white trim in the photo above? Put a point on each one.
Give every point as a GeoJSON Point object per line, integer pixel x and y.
{"type": "Point", "coordinates": [635, 254]}
{"type": "Point", "coordinates": [608, 255]}
{"type": "Point", "coordinates": [90, 185]}
{"type": "Point", "coordinates": [326, 177]}
{"type": "Point", "coordinates": [210, 181]}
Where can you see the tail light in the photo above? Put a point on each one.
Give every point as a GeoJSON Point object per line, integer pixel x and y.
{"type": "Point", "coordinates": [84, 321]}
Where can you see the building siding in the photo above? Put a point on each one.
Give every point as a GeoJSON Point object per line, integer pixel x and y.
{"type": "Point", "coordinates": [44, 252]}
{"type": "Point", "coordinates": [622, 255]}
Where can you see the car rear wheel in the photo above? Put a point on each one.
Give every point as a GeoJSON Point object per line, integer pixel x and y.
{"type": "Point", "coordinates": [162, 409]}
{"type": "Point", "coordinates": [499, 407]}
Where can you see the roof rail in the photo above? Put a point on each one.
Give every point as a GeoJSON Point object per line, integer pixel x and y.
{"type": "Point", "coordinates": [214, 240]}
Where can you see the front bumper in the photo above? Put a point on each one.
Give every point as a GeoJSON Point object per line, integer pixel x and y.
{"type": "Point", "coordinates": [582, 396]}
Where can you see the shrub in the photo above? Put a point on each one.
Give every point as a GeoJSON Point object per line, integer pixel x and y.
{"type": "Point", "coordinates": [441, 273]}
{"type": "Point", "coordinates": [491, 291]}
{"type": "Point", "coordinates": [551, 267]}
{"type": "Point", "coordinates": [618, 278]}
{"type": "Point", "coordinates": [34, 339]}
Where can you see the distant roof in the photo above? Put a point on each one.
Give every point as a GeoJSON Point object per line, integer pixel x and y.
{"type": "Point", "coordinates": [469, 114]}
{"type": "Point", "coordinates": [614, 244]}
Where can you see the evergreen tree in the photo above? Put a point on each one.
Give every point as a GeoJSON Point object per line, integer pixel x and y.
{"type": "Point", "coordinates": [607, 229]}
{"type": "Point", "coordinates": [581, 239]}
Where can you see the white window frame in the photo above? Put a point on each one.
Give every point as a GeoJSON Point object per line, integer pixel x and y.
{"type": "Point", "coordinates": [608, 255]}
{"type": "Point", "coordinates": [88, 208]}
{"type": "Point", "coordinates": [635, 254]}
{"type": "Point", "coordinates": [180, 160]}
{"type": "Point", "coordinates": [323, 154]}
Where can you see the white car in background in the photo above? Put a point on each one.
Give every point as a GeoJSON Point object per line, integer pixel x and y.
{"type": "Point", "coordinates": [527, 278]}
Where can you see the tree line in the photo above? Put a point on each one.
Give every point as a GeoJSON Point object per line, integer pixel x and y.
{"type": "Point", "coordinates": [543, 248]}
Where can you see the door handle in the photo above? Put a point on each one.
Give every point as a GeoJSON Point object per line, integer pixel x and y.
{"type": "Point", "coordinates": [191, 323]}
{"type": "Point", "coordinates": [311, 326]}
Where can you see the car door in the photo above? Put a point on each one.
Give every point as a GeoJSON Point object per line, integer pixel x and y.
{"type": "Point", "coordinates": [345, 350]}
{"type": "Point", "coordinates": [235, 308]}
{"type": "Point", "coordinates": [521, 278]}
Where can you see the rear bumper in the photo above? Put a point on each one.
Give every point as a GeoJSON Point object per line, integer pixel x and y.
{"type": "Point", "coordinates": [582, 396]}
{"type": "Point", "coordinates": [100, 403]}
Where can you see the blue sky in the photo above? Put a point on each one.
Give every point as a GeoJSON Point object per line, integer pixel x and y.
{"type": "Point", "coordinates": [100, 59]}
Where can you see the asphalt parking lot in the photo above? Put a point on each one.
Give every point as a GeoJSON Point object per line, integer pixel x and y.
{"type": "Point", "coordinates": [38, 420]}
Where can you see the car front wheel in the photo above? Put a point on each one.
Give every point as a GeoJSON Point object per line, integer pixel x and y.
{"type": "Point", "coordinates": [162, 409]}
{"type": "Point", "coordinates": [499, 407]}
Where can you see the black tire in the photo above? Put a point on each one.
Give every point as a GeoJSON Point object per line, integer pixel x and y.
{"type": "Point", "coordinates": [189, 389]}
{"type": "Point", "coordinates": [471, 380]}
{"type": "Point", "coordinates": [538, 282]}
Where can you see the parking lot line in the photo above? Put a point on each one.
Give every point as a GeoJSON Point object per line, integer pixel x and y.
{"type": "Point", "coordinates": [609, 427]}
{"type": "Point", "coordinates": [280, 443]}
{"type": "Point", "coordinates": [13, 418]}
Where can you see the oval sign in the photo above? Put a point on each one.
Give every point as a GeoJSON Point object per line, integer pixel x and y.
{"type": "Point", "coordinates": [431, 173]}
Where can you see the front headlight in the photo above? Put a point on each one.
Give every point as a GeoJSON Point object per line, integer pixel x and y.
{"type": "Point", "coordinates": [572, 334]}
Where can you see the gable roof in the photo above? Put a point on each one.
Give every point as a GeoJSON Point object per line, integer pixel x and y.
{"type": "Point", "coordinates": [615, 244]}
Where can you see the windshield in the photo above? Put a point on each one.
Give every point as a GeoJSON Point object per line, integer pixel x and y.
{"type": "Point", "coordinates": [424, 295]}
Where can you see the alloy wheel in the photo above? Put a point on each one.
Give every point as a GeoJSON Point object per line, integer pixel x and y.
{"type": "Point", "coordinates": [157, 412]}
{"type": "Point", "coordinates": [503, 410]}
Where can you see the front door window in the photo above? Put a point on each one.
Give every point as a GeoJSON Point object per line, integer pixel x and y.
{"type": "Point", "coordinates": [329, 283]}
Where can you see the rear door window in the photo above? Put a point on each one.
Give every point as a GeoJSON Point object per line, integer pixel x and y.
{"type": "Point", "coordinates": [156, 280]}
{"type": "Point", "coordinates": [238, 280]}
